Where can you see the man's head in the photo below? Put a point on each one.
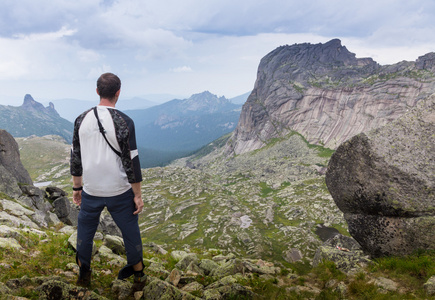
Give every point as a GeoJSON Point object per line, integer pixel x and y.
{"type": "Point", "coordinates": [108, 86]}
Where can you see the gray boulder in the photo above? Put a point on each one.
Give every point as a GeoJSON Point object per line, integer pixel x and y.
{"type": "Point", "coordinates": [107, 225]}
{"type": "Point", "coordinates": [55, 289]}
{"type": "Point", "coordinates": [55, 192]}
{"type": "Point", "coordinates": [384, 182]}
{"type": "Point", "coordinates": [66, 211]}
{"type": "Point", "coordinates": [344, 251]}
{"type": "Point", "coordinates": [429, 286]}
{"type": "Point", "coordinates": [10, 158]}
{"type": "Point", "coordinates": [159, 289]}
{"type": "Point", "coordinates": [115, 243]}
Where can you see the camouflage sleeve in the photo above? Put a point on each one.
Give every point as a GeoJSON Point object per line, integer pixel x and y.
{"type": "Point", "coordinates": [126, 137]}
{"type": "Point", "coordinates": [76, 168]}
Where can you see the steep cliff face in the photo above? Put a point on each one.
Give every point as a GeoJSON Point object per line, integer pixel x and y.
{"type": "Point", "coordinates": [327, 94]}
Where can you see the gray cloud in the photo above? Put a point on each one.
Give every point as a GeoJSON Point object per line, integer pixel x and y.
{"type": "Point", "coordinates": [191, 45]}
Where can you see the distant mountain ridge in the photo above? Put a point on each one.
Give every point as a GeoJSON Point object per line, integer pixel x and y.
{"type": "Point", "coordinates": [70, 109]}
{"type": "Point", "coordinates": [181, 126]}
{"type": "Point", "coordinates": [32, 118]}
{"type": "Point", "coordinates": [327, 94]}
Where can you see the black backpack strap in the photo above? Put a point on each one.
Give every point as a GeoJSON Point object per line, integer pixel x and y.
{"type": "Point", "coordinates": [103, 132]}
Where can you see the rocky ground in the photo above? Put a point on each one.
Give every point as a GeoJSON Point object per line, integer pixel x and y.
{"type": "Point", "coordinates": [266, 204]}
{"type": "Point", "coordinates": [246, 227]}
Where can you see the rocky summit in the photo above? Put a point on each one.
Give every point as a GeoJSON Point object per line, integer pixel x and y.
{"type": "Point", "coordinates": [327, 94]}
{"type": "Point", "coordinates": [384, 183]}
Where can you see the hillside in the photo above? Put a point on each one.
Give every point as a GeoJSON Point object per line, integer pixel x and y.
{"type": "Point", "coordinates": [46, 159]}
{"type": "Point", "coordinates": [32, 118]}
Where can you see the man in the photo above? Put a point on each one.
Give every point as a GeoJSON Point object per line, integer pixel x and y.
{"type": "Point", "coordinates": [106, 173]}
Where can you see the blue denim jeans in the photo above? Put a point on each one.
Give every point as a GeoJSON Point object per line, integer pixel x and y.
{"type": "Point", "coordinates": [121, 208]}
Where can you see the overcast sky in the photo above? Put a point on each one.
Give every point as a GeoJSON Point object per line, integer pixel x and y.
{"type": "Point", "coordinates": [57, 49]}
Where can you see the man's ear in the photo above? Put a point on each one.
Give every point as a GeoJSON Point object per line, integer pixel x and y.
{"type": "Point", "coordinates": [118, 92]}
{"type": "Point", "coordinates": [98, 93]}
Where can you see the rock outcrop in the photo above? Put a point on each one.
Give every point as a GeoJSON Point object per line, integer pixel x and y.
{"type": "Point", "coordinates": [12, 171]}
{"type": "Point", "coordinates": [384, 182]}
{"type": "Point", "coordinates": [327, 94]}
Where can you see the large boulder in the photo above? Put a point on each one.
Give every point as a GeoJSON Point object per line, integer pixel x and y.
{"type": "Point", "coordinates": [12, 171]}
{"type": "Point", "coordinates": [384, 183]}
{"type": "Point", "coordinates": [10, 158]}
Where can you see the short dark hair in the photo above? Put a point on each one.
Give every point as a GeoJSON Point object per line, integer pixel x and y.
{"type": "Point", "coordinates": [107, 85]}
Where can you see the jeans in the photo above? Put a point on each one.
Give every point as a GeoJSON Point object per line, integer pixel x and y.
{"type": "Point", "coordinates": [121, 208]}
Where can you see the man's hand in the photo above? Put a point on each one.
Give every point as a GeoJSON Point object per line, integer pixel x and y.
{"type": "Point", "coordinates": [137, 197]}
{"type": "Point", "coordinates": [139, 204]}
{"type": "Point", "coordinates": [77, 197]}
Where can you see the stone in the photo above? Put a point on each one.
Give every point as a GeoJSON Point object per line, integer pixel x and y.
{"type": "Point", "coordinates": [66, 212]}
{"type": "Point", "coordinates": [385, 284]}
{"type": "Point", "coordinates": [186, 260]}
{"type": "Point", "coordinates": [236, 291]}
{"type": "Point", "coordinates": [8, 184]}
{"type": "Point", "coordinates": [33, 198]}
{"type": "Point", "coordinates": [121, 289]}
{"type": "Point", "coordinates": [174, 277]}
{"type": "Point", "coordinates": [158, 268]}
{"type": "Point", "coordinates": [192, 287]}
{"type": "Point", "coordinates": [7, 231]}
{"type": "Point", "coordinates": [24, 221]}
{"type": "Point", "coordinates": [227, 280]}
{"type": "Point", "coordinates": [207, 265]}
{"type": "Point", "coordinates": [178, 254]}
{"type": "Point", "coordinates": [229, 267]}
{"type": "Point", "coordinates": [158, 289]}
{"type": "Point", "coordinates": [72, 240]}
{"type": "Point", "coordinates": [212, 295]}
{"type": "Point", "coordinates": [429, 286]}
{"type": "Point", "coordinates": [115, 243]}
{"type": "Point", "coordinates": [383, 181]}
{"type": "Point", "coordinates": [10, 243]}
{"type": "Point", "coordinates": [344, 251]}
{"type": "Point", "coordinates": [107, 225]}
{"type": "Point", "coordinates": [69, 230]}
{"type": "Point", "coordinates": [55, 192]}
{"type": "Point", "coordinates": [15, 209]}
{"type": "Point", "coordinates": [55, 289]}
{"type": "Point", "coordinates": [293, 255]}
{"type": "Point", "coordinates": [4, 290]}
{"type": "Point", "coordinates": [260, 267]}
{"type": "Point", "coordinates": [10, 159]}
{"type": "Point", "coordinates": [52, 218]}
{"type": "Point", "coordinates": [194, 270]}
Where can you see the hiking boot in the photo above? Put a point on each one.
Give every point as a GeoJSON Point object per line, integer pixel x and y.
{"type": "Point", "coordinates": [139, 283]}
{"type": "Point", "coordinates": [84, 279]}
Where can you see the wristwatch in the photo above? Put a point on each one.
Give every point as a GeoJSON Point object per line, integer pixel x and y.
{"type": "Point", "coordinates": [77, 188]}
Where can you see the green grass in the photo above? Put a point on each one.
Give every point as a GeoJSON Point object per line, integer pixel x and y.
{"type": "Point", "coordinates": [410, 272]}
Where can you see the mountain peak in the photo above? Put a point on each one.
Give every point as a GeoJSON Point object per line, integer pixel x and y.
{"type": "Point", "coordinates": [30, 104]}
{"type": "Point", "coordinates": [205, 101]}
